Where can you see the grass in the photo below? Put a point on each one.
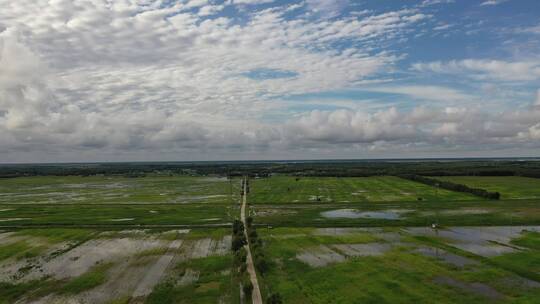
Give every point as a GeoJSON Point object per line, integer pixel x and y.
{"type": "Point", "coordinates": [20, 250]}
{"type": "Point", "coordinates": [213, 285]}
{"type": "Point", "coordinates": [528, 239]}
{"type": "Point", "coordinates": [288, 189]}
{"type": "Point", "coordinates": [11, 292]}
{"type": "Point", "coordinates": [292, 208]}
{"type": "Point", "coordinates": [116, 215]}
{"type": "Point", "coordinates": [398, 276]}
{"type": "Point", "coordinates": [58, 235]}
{"type": "Point", "coordinates": [510, 187]}
{"type": "Point", "coordinates": [92, 278]}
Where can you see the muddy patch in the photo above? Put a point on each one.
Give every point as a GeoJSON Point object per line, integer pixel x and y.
{"type": "Point", "coordinates": [354, 214]}
{"type": "Point", "coordinates": [447, 257]}
{"type": "Point", "coordinates": [369, 249]}
{"type": "Point", "coordinates": [202, 248]}
{"type": "Point", "coordinates": [320, 256]}
{"type": "Point", "coordinates": [156, 272]}
{"type": "Point", "coordinates": [484, 241]}
{"type": "Point", "coordinates": [80, 259]}
{"type": "Point", "coordinates": [190, 276]}
{"type": "Point", "coordinates": [14, 219]}
{"type": "Point", "coordinates": [465, 211]}
{"type": "Point", "coordinates": [121, 220]}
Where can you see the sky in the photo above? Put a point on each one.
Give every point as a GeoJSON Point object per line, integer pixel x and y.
{"type": "Point", "coordinates": [187, 80]}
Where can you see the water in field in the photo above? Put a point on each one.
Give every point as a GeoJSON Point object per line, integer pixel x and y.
{"type": "Point", "coordinates": [448, 257]}
{"type": "Point", "coordinates": [353, 213]}
{"type": "Point", "coordinates": [484, 241]}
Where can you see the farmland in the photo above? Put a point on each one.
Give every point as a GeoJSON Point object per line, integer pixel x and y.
{"type": "Point", "coordinates": [166, 238]}
{"type": "Point", "coordinates": [376, 265]}
{"type": "Point", "coordinates": [368, 240]}
{"type": "Point", "coordinates": [116, 190]}
{"type": "Point", "coordinates": [88, 266]}
{"type": "Point", "coordinates": [285, 189]}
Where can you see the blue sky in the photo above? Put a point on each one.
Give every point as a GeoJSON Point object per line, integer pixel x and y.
{"type": "Point", "coordinates": [126, 80]}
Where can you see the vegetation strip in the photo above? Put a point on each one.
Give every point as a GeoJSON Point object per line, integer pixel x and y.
{"type": "Point", "coordinates": [452, 186]}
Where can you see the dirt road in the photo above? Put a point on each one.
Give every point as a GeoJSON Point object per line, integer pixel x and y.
{"type": "Point", "coordinates": [256, 297]}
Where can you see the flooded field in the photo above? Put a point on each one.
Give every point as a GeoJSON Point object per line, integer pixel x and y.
{"type": "Point", "coordinates": [86, 266]}
{"type": "Point", "coordinates": [353, 213]}
{"type": "Point", "coordinates": [168, 239]}
{"type": "Point", "coordinates": [117, 190]}
{"type": "Point", "coordinates": [356, 265]}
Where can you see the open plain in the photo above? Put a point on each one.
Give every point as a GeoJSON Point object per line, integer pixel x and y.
{"type": "Point", "coordinates": [167, 239]}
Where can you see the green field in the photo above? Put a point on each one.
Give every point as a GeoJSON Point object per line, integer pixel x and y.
{"type": "Point", "coordinates": [117, 190]}
{"type": "Point", "coordinates": [287, 189]}
{"type": "Point", "coordinates": [99, 239]}
{"type": "Point", "coordinates": [319, 266]}
{"type": "Point", "coordinates": [117, 215]}
{"type": "Point", "coordinates": [488, 213]}
{"type": "Point", "coordinates": [510, 187]}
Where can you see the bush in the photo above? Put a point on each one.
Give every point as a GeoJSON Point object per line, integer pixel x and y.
{"type": "Point", "coordinates": [240, 257]}
{"type": "Point", "coordinates": [238, 227]}
{"type": "Point", "coordinates": [274, 298]}
{"type": "Point", "coordinates": [238, 242]}
{"type": "Point", "coordinates": [247, 287]}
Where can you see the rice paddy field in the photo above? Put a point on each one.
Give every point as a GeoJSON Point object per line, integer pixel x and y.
{"type": "Point", "coordinates": [155, 189]}
{"type": "Point", "coordinates": [404, 265]}
{"type": "Point", "coordinates": [122, 266]}
{"type": "Point", "coordinates": [167, 239]}
{"type": "Point", "coordinates": [287, 189]}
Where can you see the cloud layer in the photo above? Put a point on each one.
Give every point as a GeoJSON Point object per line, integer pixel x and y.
{"type": "Point", "coordinates": [175, 80]}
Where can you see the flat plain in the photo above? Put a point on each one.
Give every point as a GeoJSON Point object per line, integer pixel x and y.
{"type": "Point", "coordinates": [166, 239]}
{"type": "Point", "coordinates": [369, 240]}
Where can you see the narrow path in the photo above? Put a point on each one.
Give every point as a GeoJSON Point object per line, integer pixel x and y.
{"type": "Point", "coordinates": [256, 297]}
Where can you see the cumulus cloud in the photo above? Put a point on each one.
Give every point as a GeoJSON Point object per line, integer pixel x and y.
{"type": "Point", "coordinates": [419, 126]}
{"type": "Point", "coordinates": [328, 8]}
{"type": "Point", "coordinates": [252, 1]}
{"type": "Point", "coordinates": [168, 78]}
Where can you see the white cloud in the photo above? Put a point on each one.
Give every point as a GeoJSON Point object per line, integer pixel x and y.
{"type": "Point", "coordinates": [435, 2]}
{"type": "Point", "coordinates": [419, 126]}
{"type": "Point", "coordinates": [210, 10]}
{"type": "Point", "coordinates": [252, 2]}
{"type": "Point", "coordinates": [327, 8]}
{"type": "Point", "coordinates": [530, 30]}
{"type": "Point", "coordinates": [429, 93]}
{"type": "Point", "coordinates": [485, 69]}
{"type": "Point", "coordinates": [492, 2]}
{"type": "Point", "coordinates": [161, 78]}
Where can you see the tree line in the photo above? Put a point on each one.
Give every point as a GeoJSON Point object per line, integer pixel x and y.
{"type": "Point", "coordinates": [452, 186]}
